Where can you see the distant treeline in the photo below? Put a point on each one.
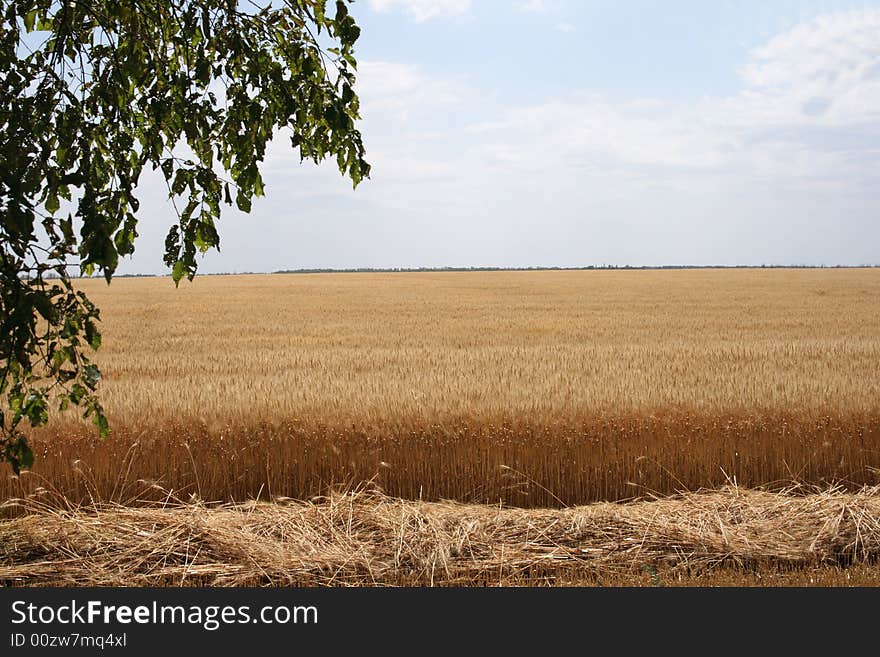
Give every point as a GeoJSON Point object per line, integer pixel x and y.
{"type": "Point", "coordinates": [390, 270]}
{"type": "Point", "coordinates": [386, 270]}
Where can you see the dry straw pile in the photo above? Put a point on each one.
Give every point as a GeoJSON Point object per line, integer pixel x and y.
{"type": "Point", "coordinates": [366, 538]}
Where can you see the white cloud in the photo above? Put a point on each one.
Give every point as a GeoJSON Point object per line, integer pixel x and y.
{"type": "Point", "coordinates": [825, 71]}
{"type": "Point", "coordinates": [807, 115]}
{"type": "Point", "coordinates": [566, 27]}
{"type": "Point", "coordinates": [578, 131]}
{"type": "Point", "coordinates": [809, 109]}
{"type": "Point", "coordinates": [423, 10]}
{"type": "Point", "coordinates": [534, 7]}
{"type": "Point", "coordinates": [401, 90]}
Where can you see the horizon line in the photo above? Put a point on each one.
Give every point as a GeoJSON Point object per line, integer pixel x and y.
{"type": "Point", "coordinates": [484, 268]}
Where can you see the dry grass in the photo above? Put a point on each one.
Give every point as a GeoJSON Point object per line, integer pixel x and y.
{"type": "Point", "coordinates": [536, 388]}
{"type": "Point", "coordinates": [365, 538]}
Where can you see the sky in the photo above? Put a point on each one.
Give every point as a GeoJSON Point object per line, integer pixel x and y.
{"type": "Point", "coordinates": [570, 133]}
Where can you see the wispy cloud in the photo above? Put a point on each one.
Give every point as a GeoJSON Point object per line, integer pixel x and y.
{"type": "Point", "coordinates": [809, 108]}
{"type": "Point", "coordinates": [826, 71]}
{"type": "Point", "coordinates": [806, 115]}
{"type": "Point", "coordinates": [566, 27]}
{"type": "Point", "coordinates": [401, 90]}
{"type": "Point", "coordinates": [534, 7]}
{"type": "Point", "coordinates": [423, 10]}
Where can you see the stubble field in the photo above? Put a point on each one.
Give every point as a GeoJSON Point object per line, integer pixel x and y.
{"type": "Point", "coordinates": [522, 389]}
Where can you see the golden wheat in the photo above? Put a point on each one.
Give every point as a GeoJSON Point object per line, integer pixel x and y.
{"type": "Point", "coordinates": [530, 387]}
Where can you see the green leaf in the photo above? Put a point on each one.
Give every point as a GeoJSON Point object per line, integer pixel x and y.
{"type": "Point", "coordinates": [44, 306]}
{"type": "Point", "coordinates": [69, 327]}
{"type": "Point", "coordinates": [93, 335]}
{"type": "Point", "coordinates": [52, 203]}
{"type": "Point", "coordinates": [182, 178]}
{"type": "Point", "coordinates": [29, 19]}
{"type": "Point", "coordinates": [91, 376]}
{"type": "Point", "coordinates": [100, 421]}
{"type": "Point", "coordinates": [172, 246]}
{"type": "Point", "coordinates": [19, 455]}
{"type": "Point", "coordinates": [178, 272]}
{"type": "Point", "coordinates": [35, 409]}
{"type": "Point", "coordinates": [243, 201]}
{"type": "Point", "coordinates": [67, 228]}
{"type": "Point", "coordinates": [77, 392]}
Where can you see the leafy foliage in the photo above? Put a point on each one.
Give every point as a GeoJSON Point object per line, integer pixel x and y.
{"type": "Point", "coordinates": [94, 91]}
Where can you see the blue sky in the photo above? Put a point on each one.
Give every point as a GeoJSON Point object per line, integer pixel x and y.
{"type": "Point", "coordinates": [570, 133]}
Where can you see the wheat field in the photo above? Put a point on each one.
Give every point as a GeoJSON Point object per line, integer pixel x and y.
{"type": "Point", "coordinates": [528, 388]}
